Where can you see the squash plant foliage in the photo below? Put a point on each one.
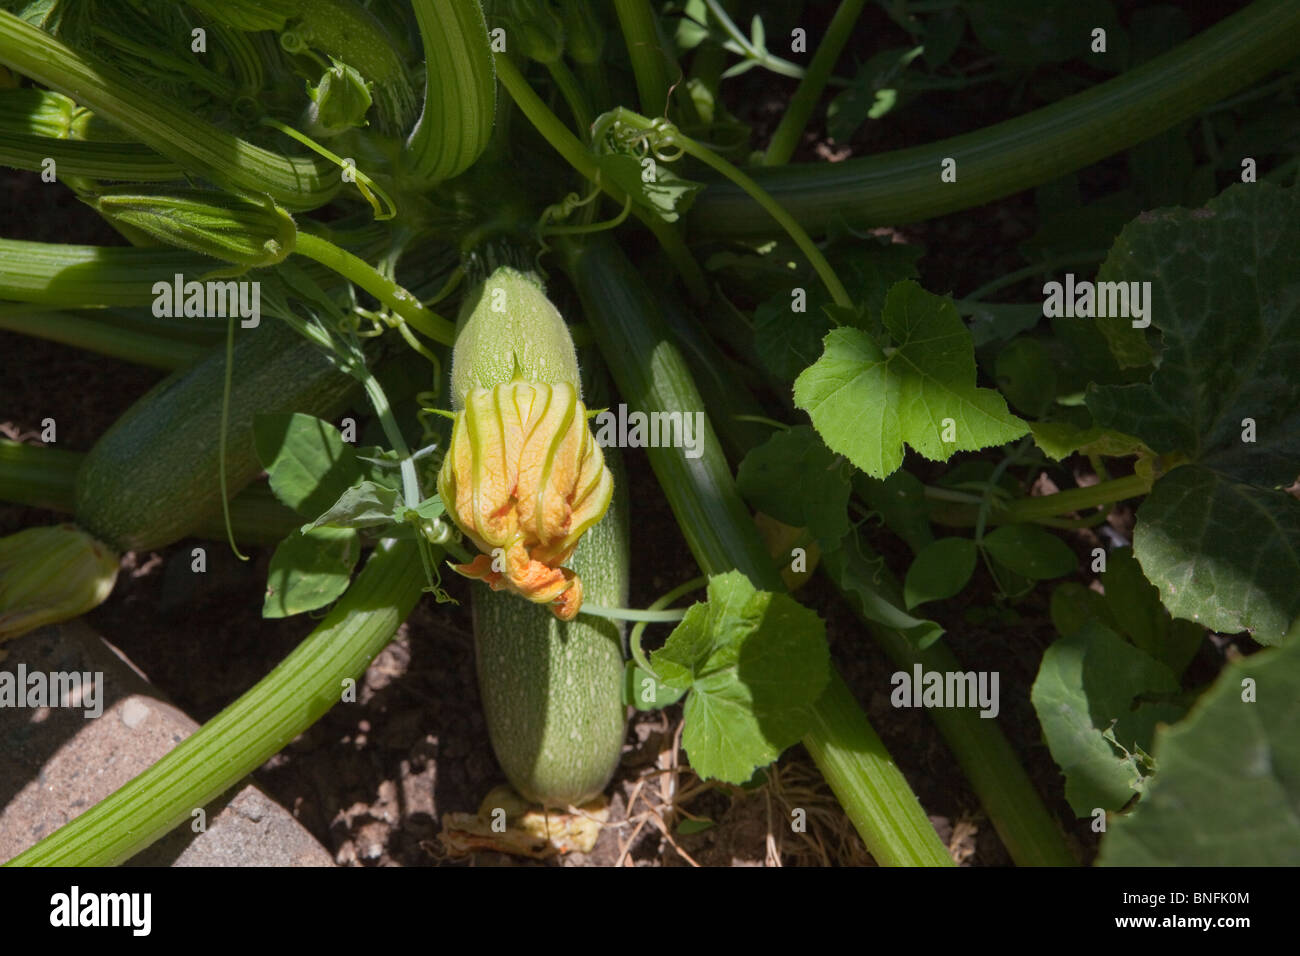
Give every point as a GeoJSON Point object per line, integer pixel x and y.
{"type": "Point", "coordinates": [1106, 432]}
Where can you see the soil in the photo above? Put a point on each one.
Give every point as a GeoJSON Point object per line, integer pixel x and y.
{"type": "Point", "coordinates": [371, 780]}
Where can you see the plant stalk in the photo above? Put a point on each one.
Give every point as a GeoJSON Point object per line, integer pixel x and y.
{"type": "Point", "coordinates": [905, 186]}
{"type": "Point", "coordinates": [722, 536]}
{"type": "Point", "coordinates": [786, 137]}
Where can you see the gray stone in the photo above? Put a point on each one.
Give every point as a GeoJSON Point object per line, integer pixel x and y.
{"type": "Point", "coordinates": [56, 762]}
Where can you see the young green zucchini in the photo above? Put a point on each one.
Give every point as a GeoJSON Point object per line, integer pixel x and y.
{"type": "Point", "coordinates": [525, 481]}
{"type": "Point", "coordinates": [551, 689]}
{"type": "Point", "coordinates": [152, 477]}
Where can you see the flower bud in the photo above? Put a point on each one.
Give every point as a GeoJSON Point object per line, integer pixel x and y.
{"type": "Point", "coordinates": [339, 102]}
{"type": "Point", "coordinates": [49, 575]}
{"type": "Point", "coordinates": [523, 479]}
{"type": "Point", "coordinates": [249, 234]}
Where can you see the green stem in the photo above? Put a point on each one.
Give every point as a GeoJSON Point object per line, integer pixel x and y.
{"type": "Point", "coordinates": [102, 337]}
{"type": "Point", "coordinates": [89, 276]}
{"type": "Point", "coordinates": [786, 138]}
{"type": "Point", "coordinates": [1026, 828]}
{"type": "Point", "coordinates": [1029, 271]}
{"type": "Point", "coordinates": [904, 186]}
{"type": "Point", "coordinates": [379, 401]}
{"type": "Point", "coordinates": [1075, 499]}
{"type": "Point", "coordinates": [721, 534]}
{"type": "Point", "coordinates": [573, 95]}
{"type": "Point", "coordinates": [244, 735]}
{"type": "Point", "coordinates": [638, 630]}
{"type": "Point", "coordinates": [868, 784]}
{"type": "Point", "coordinates": [649, 616]}
{"type": "Point", "coordinates": [581, 159]}
{"type": "Point", "coordinates": [739, 43]}
{"type": "Point", "coordinates": [362, 274]}
{"type": "Point", "coordinates": [37, 476]}
{"type": "Point", "coordinates": [131, 162]}
{"type": "Point", "coordinates": [459, 91]}
{"type": "Point", "coordinates": [662, 136]}
{"type": "Point", "coordinates": [651, 62]}
{"type": "Point", "coordinates": [198, 146]}
{"type": "Point", "coordinates": [645, 55]}
{"type": "Point", "coordinates": [783, 218]}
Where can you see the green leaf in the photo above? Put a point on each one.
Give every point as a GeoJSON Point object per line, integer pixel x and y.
{"type": "Point", "coordinates": [1026, 375]}
{"type": "Point", "coordinates": [754, 663]}
{"type": "Point", "coordinates": [843, 565]}
{"type": "Point", "coordinates": [690, 30]}
{"type": "Point", "coordinates": [1027, 32]}
{"type": "Point", "coordinates": [901, 503]}
{"type": "Point", "coordinates": [873, 92]}
{"type": "Point", "coordinates": [1091, 696]}
{"type": "Point", "coordinates": [427, 510]}
{"type": "Point", "coordinates": [1073, 605]}
{"type": "Point", "coordinates": [1229, 783]}
{"type": "Point", "coordinates": [997, 322]}
{"type": "Point", "coordinates": [1084, 358]}
{"type": "Point", "coordinates": [796, 479]}
{"type": "Point", "coordinates": [1030, 551]}
{"type": "Point", "coordinates": [1226, 298]}
{"type": "Point", "coordinates": [380, 465]}
{"type": "Point", "coordinates": [787, 342]}
{"type": "Point", "coordinates": [940, 571]}
{"type": "Point", "coordinates": [687, 827]}
{"type": "Point", "coordinates": [1060, 440]}
{"type": "Point", "coordinates": [308, 463]}
{"type": "Point", "coordinates": [866, 402]}
{"type": "Point", "coordinates": [869, 268]}
{"type": "Point", "coordinates": [1223, 554]}
{"type": "Point", "coordinates": [655, 188]}
{"type": "Point", "coordinates": [1217, 538]}
{"type": "Point", "coordinates": [309, 570]}
{"type": "Point", "coordinates": [1135, 604]}
{"type": "Point", "coordinates": [366, 505]}
{"type": "Point", "coordinates": [943, 33]}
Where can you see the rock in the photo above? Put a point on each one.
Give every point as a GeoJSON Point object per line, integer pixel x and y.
{"type": "Point", "coordinates": [58, 761]}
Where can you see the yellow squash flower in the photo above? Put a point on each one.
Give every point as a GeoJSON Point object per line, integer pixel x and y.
{"type": "Point", "coordinates": [523, 479]}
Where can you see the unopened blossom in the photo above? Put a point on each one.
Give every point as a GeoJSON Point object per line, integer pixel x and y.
{"type": "Point", "coordinates": [51, 574]}
{"type": "Point", "coordinates": [523, 479]}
